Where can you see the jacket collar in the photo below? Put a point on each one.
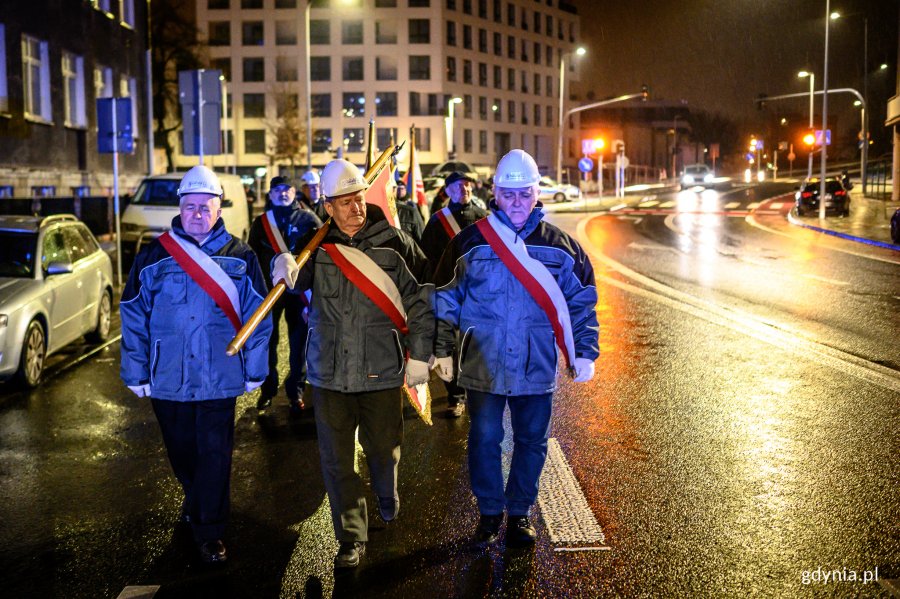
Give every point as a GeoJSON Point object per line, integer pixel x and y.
{"type": "Point", "coordinates": [531, 223]}
{"type": "Point", "coordinates": [218, 236]}
{"type": "Point", "coordinates": [375, 223]}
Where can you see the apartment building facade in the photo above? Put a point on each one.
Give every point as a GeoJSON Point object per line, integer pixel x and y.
{"type": "Point", "coordinates": [56, 60]}
{"type": "Point", "coordinates": [399, 62]}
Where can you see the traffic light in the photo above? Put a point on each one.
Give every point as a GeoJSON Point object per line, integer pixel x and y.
{"type": "Point", "coordinates": [809, 138]}
{"type": "Point", "coordinates": [645, 92]}
{"type": "Point", "coordinates": [761, 101]}
{"type": "Point", "coordinates": [599, 144]}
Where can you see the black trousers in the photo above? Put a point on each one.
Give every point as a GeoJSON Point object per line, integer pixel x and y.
{"type": "Point", "coordinates": [455, 393]}
{"type": "Point", "coordinates": [291, 306]}
{"type": "Point", "coordinates": [199, 439]}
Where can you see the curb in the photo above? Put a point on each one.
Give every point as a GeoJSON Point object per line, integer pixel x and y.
{"type": "Point", "coordinates": [882, 244]}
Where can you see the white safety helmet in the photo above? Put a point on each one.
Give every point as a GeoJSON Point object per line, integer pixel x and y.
{"type": "Point", "coordinates": [341, 178]}
{"type": "Point", "coordinates": [517, 170]}
{"type": "Point", "coordinates": [200, 179]}
{"type": "Point", "coordinates": [310, 178]}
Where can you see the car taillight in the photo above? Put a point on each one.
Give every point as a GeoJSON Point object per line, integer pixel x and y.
{"type": "Point", "coordinates": [806, 194]}
{"type": "Point", "coordinates": [840, 193]}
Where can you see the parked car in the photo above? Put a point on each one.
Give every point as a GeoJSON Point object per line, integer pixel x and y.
{"type": "Point", "coordinates": [557, 192]}
{"type": "Point", "coordinates": [836, 197]}
{"type": "Point", "coordinates": [155, 204]}
{"type": "Point", "coordinates": [55, 287]}
{"type": "Point", "coordinates": [697, 175]}
{"type": "Point", "coordinates": [895, 227]}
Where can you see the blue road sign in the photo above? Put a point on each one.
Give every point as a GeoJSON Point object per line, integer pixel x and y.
{"type": "Point", "coordinates": [118, 138]}
{"type": "Point", "coordinates": [586, 165]}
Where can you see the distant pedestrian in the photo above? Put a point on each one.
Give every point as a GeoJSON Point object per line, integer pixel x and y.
{"type": "Point", "coordinates": [516, 288]}
{"type": "Point", "coordinates": [188, 293]}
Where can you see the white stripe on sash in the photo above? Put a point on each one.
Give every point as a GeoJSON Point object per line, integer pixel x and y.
{"type": "Point", "coordinates": [373, 273]}
{"type": "Point", "coordinates": [211, 268]}
{"type": "Point", "coordinates": [451, 220]}
{"type": "Point", "coordinates": [276, 233]}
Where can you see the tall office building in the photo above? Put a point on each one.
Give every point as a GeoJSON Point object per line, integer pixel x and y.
{"type": "Point", "coordinates": [494, 63]}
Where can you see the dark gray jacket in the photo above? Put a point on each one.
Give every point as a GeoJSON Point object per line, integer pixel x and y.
{"type": "Point", "coordinates": [352, 345]}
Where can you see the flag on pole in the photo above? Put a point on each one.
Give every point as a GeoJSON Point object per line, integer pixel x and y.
{"type": "Point", "coordinates": [381, 193]}
{"type": "Point", "coordinates": [371, 151]}
{"type": "Point", "coordinates": [413, 180]}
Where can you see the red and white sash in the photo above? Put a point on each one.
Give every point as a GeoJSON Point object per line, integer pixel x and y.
{"type": "Point", "coordinates": [448, 221]}
{"type": "Point", "coordinates": [270, 226]}
{"type": "Point", "coordinates": [207, 274]}
{"type": "Point", "coordinates": [376, 285]}
{"type": "Point", "coordinates": [536, 279]}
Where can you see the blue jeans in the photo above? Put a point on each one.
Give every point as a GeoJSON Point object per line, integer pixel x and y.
{"type": "Point", "coordinates": [530, 416]}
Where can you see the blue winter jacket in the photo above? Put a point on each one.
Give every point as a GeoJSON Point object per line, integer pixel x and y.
{"type": "Point", "coordinates": [174, 336]}
{"type": "Point", "coordinates": [506, 342]}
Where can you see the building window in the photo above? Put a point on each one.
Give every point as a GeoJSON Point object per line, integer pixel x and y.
{"type": "Point", "coordinates": [451, 68]}
{"type": "Point", "coordinates": [222, 64]}
{"type": "Point", "coordinates": [467, 141]}
{"type": "Point", "coordinates": [467, 106]}
{"type": "Point", "coordinates": [482, 74]}
{"type": "Point", "coordinates": [498, 11]}
{"type": "Point", "coordinates": [423, 139]}
{"type": "Point", "coordinates": [451, 33]}
{"type": "Point", "coordinates": [537, 53]}
{"type": "Point", "coordinates": [254, 69]}
{"type": "Point", "coordinates": [4, 90]}
{"type": "Point", "coordinates": [352, 32]}
{"type": "Point", "coordinates": [386, 31]}
{"type": "Point", "coordinates": [419, 31]}
{"type": "Point", "coordinates": [498, 44]}
{"type": "Point", "coordinates": [103, 86]}
{"type": "Point", "coordinates": [352, 68]}
{"type": "Point", "coordinates": [321, 141]}
{"type": "Point", "coordinates": [219, 33]}
{"type": "Point", "coordinates": [451, 4]}
{"type": "Point", "coordinates": [126, 12]}
{"type": "Point", "coordinates": [549, 21]}
{"type": "Point", "coordinates": [498, 76]}
{"type": "Point", "coordinates": [482, 41]}
{"type": "Point", "coordinates": [252, 33]}
{"type": "Point", "coordinates": [524, 113]}
{"type": "Point", "coordinates": [321, 105]}
{"type": "Point", "coordinates": [385, 3]}
{"type": "Point", "coordinates": [511, 111]}
{"type": "Point", "coordinates": [524, 19]}
{"type": "Point", "coordinates": [537, 115]}
{"type": "Point", "coordinates": [254, 141]}
{"type": "Point", "coordinates": [251, 4]}
{"type": "Point", "coordinates": [524, 48]}
{"type": "Point", "coordinates": [467, 37]}
{"type": "Point", "coordinates": [385, 137]}
{"type": "Point", "coordinates": [511, 80]}
{"type": "Point", "coordinates": [548, 56]}
{"type": "Point", "coordinates": [286, 105]}
{"type": "Point", "coordinates": [549, 87]}
{"type": "Point", "coordinates": [510, 14]}
{"type": "Point", "coordinates": [286, 68]}
{"type": "Point", "coordinates": [510, 47]}
{"type": "Point", "coordinates": [320, 68]}
{"type": "Point", "coordinates": [467, 71]}
{"type": "Point", "coordinates": [36, 78]}
{"type": "Point", "coordinates": [482, 9]}
{"type": "Point", "coordinates": [548, 116]}
{"type": "Point", "coordinates": [419, 68]}
{"type": "Point", "coordinates": [386, 104]}
{"type": "Point", "coordinates": [386, 68]}
{"type": "Point", "coordinates": [482, 142]}
{"type": "Point", "coordinates": [354, 104]}
{"type": "Point", "coordinates": [73, 90]}
{"type": "Point", "coordinates": [217, 4]}
{"type": "Point", "coordinates": [354, 139]}
{"type": "Point", "coordinates": [523, 80]}
{"type": "Point", "coordinates": [496, 108]}
{"type": "Point", "coordinates": [285, 3]}
{"type": "Point", "coordinates": [537, 22]}
{"type": "Point", "coordinates": [319, 31]}
{"type": "Point", "coordinates": [419, 3]}
{"type": "Point", "coordinates": [285, 33]}
{"type": "Point", "coordinates": [467, 6]}
{"type": "Point", "coordinates": [482, 108]}
{"type": "Point", "coordinates": [254, 106]}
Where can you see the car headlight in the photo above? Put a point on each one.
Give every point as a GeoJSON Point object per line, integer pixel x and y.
{"type": "Point", "coordinates": [688, 179]}
{"type": "Point", "coordinates": [708, 178]}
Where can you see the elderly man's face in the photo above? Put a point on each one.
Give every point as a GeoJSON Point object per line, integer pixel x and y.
{"type": "Point", "coordinates": [460, 192]}
{"type": "Point", "coordinates": [282, 195]}
{"type": "Point", "coordinates": [199, 212]}
{"type": "Point", "coordinates": [516, 203]}
{"type": "Point", "coordinates": [312, 191]}
{"type": "Point", "coordinates": [348, 212]}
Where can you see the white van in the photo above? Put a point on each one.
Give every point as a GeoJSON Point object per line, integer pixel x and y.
{"type": "Point", "coordinates": [155, 204]}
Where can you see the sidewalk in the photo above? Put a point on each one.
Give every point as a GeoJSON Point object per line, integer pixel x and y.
{"type": "Point", "coordinates": [869, 221]}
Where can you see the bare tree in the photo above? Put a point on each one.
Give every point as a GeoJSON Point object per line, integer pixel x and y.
{"type": "Point", "coordinates": [177, 46]}
{"type": "Point", "coordinates": [287, 133]}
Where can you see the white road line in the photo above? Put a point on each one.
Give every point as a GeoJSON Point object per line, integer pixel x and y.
{"type": "Point", "coordinates": [826, 280]}
{"type": "Point", "coordinates": [753, 205]}
{"type": "Point", "coordinates": [618, 207]}
{"type": "Point", "coordinates": [775, 205]}
{"type": "Point", "coordinates": [654, 247]}
{"type": "Point", "coordinates": [564, 508]}
{"type": "Point", "coordinates": [668, 204]}
{"type": "Point", "coordinates": [742, 322]}
{"type": "Point", "coordinates": [648, 204]}
{"type": "Point", "coordinates": [732, 205]}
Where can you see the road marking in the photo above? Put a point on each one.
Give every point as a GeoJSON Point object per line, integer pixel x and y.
{"type": "Point", "coordinates": [775, 206]}
{"type": "Point", "coordinates": [564, 508]}
{"type": "Point", "coordinates": [648, 204]}
{"type": "Point", "coordinates": [742, 322]}
{"type": "Point", "coordinates": [138, 592]}
{"type": "Point", "coordinates": [668, 204]}
{"type": "Point", "coordinates": [826, 280]}
{"type": "Point", "coordinates": [731, 205]}
{"type": "Point", "coordinates": [753, 205]}
{"type": "Point", "coordinates": [618, 207]}
{"type": "Point", "coordinates": [656, 247]}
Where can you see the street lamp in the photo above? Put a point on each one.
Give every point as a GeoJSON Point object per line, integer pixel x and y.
{"type": "Point", "coordinates": [864, 150]}
{"type": "Point", "coordinates": [451, 147]}
{"type": "Point", "coordinates": [260, 172]}
{"type": "Point", "coordinates": [812, 91]}
{"type": "Point", "coordinates": [828, 19]}
{"type": "Point", "coordinates": [562, 86]}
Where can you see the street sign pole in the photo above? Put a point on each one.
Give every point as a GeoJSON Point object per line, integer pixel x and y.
{"type": "Point", "coordinates": [199, 91]}
{"type": "Point", "coordinates": [115, 157]}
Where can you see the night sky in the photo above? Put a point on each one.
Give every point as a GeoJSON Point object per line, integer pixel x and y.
{"type": "Point", "coordinates": [719, 54]}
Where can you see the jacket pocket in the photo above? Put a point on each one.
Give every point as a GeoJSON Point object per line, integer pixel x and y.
{"type": "Point", "coordinates": [320, 352]}
{"type": "Point", "coordinates": [172, 284]}
{"type": "Point", "coordinates": [328, 280]}
{"type": "Point", "coordinates": [384, 353]}
{"type": "Point", "coordinates": [168, 365]}
{"type": "Point", "coordinates": [542, 357]}
{"type": "Point", "coordinates": [479, 353]}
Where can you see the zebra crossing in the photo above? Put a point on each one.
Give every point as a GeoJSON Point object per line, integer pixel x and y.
{"type": "Point", "coordinates": [653, 206]}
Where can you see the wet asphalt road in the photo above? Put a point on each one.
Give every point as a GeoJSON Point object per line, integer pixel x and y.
{"type": "Point", "coordinates": [742, 429]}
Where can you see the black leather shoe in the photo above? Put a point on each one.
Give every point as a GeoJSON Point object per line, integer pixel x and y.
{"type": "Point", "coordinates": [213, 552]}
{"type": "Point", "coordinates": [388, 507]}
{"type": "Point", "coordinates": [349, 553]}
{"type": "Point", "coordinates": [264, 401]}
{"type": "Point", "coordinates": [297, 407]}
{"type": "Point", "coordinates": [519, 531]}
{"type": "Point", "coordinates": [488, 529]}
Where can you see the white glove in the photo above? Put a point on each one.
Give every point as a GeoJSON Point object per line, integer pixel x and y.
{"type": "Point", "coordinates": [444, 367]}
{"type": "Point", "coordinates": [416, 372]}
{"type": "Point", "coordinates": [140, 390]}
{"type": "Point", "coordinates": [584, 370]}
{"type": "Point", "coordinates": [252, 385]}
{"type": "Point", "coordinates": [284, 268]}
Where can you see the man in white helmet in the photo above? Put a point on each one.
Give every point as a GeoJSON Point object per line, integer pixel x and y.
{"type": "Point", "coordinates": [187, 295]}
{"type": "Point", "coordinates": [371, 326]}
{"type": "Point", "coordinates": [516, 288]}
{"type": "Point", "coordinates": [311, 194]}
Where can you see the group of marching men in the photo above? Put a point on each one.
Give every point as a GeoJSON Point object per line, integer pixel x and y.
{"type": "Point", "coordinates": [492, 304]}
